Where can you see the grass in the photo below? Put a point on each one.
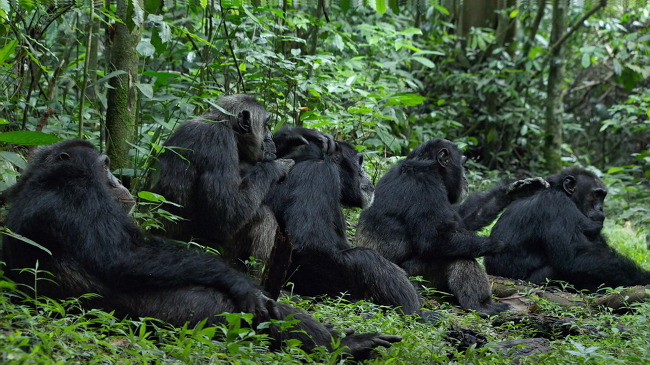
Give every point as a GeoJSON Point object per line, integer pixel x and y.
{"type": "Point", "coordinates": [48, 332]}
{"type": "Point", "coordinates": [51, 332]}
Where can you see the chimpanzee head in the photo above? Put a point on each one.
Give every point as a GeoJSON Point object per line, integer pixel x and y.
{"type": "Point", "coordinates": [356, 188]}
{"type": "Point", "coordinates": [584, 188]}
{"type": "Point", "coordinates": [449, 165]}
{"type": "Point", "coordinates": [60, 163]}
{"type": "Point", "coordinates": [250, 122]}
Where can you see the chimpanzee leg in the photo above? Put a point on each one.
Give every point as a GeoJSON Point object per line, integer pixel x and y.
{"type": "Point", "coordinates": [197, 303]}
{"type": "Point", "coordinates": [464, 278]}
{"type": "Point", "coordinates": [256, 239]}
{"type": "Point", "coordinates": [192, 305]}
{"type": "Point", "coordinates": [373, 276]}
{"type": "Point", "coordinates": [469, 283]}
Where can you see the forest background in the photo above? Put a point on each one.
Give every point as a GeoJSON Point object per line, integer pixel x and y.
{"type": "Point", "coordinates": [524, 87]}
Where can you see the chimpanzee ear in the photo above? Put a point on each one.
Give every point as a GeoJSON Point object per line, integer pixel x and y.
{"type": "Point", "coordinates": [337, 155]}
{"type": "Point", "coordinates": [444, 158]}
{"type": "Point", "coordinates": [63, 156]}
{"type": "Point", "coordinates": [244, 121]}
{"type": "Point", "coordinates": [569, 185]}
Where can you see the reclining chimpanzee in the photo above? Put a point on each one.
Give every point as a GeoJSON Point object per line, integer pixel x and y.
{"type": "Point", "coordinates": [556, 234]}
{"type": "Point", "coordinates": [415, 224]}
{"type": "Point", "coordinates": [307, 205]}
{"type": "Point", "coordinates": [66, 201]}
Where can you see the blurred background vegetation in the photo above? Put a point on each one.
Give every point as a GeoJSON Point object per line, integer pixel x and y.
{"type": "Point", "coordinates": [519, 94]}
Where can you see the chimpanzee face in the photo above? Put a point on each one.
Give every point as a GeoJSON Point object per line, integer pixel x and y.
{"type": "Point", "coordinates": [356, 188]}
{"type": "Point", "coordinates": [268, 146]}
{"type": "Point", "coordinates": [119, 192]}
{"type": "Point", "coordinates": [251, 124]}
{"type": "Point", "coordinates": [589, 197]}
{"type": "Point", "coordinates": [63, 159]}
{"type": "Point", "coordinates": [585, 189]}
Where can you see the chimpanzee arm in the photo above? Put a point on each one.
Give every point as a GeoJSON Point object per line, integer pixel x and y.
{"type": "Point", "coordinates": [580, 260]}
{"type": "Point", "coordinates": [229, 197]}
{"type": "Point", "coordinates": [606, 266]}
{"type": "Point", "coordinates": [289, 137]}
{"type": "Point", "coordinates": [480, 209]}
{"type": "Point", "coordinates": [450, 239]}
{"type": "Point", "coordinates": [157, 263]}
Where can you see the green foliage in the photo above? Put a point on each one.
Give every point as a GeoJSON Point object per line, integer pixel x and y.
{"type": "Point", "coordinates": [379, 74]}
{"type": "Point", "coordinates": [48, 331]}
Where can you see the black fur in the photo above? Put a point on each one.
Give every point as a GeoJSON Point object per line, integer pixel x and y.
{"type": "Point", "coordinates": [556, 234]}
{"type": "Point", "coordinates": [64, 203]}
{"type": "Point", "coordinates": [415, 224]}
{"type": "Point", "coordinates": [308, 206]}
{"type": "Point", "coordinates": [220, 168]}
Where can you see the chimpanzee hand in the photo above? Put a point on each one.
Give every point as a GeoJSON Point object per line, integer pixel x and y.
{"type": "Point", "coordinates": [493, 246]}
{"type": "Point", "coordinates": [284, 165]}
{"type": "Point", "coordinates": [263, 307]}
{"type": "Point", "coordinates": [526, 187]}
{"type": "Point", "coordinates": [287, 138]}
{"type": "Point", "coordinates": [361, 347]}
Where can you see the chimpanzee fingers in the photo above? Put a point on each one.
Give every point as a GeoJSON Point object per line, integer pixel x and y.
{"type": "Point", "coordinates": [260, 307]}
{"type": "Point", "coordinates": [387, 340]}
{"type": "Point", "coordinates": [329, 144]}
{"type": "Point", "coordinates": [526, 187]}
{"type": "Point", "coordinates": [542, 182]}
{"type": "Point", "coordinates": [302, 140]}
{"type": "Point", "coordinates": [273, 309]}
{"type": "Point", "coordinates": [284, 165]}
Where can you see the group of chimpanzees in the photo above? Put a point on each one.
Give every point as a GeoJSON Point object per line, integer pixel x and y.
{"type": "Point", "coordinates": [237, 185]}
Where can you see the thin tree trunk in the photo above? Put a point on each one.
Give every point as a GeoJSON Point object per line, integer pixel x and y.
{"type": "Point", "coordinates": [122, 97]}
{"type": "Point", "coordinates": [555, 100]}
{"type": "Point", "coordinates": [476, 13]}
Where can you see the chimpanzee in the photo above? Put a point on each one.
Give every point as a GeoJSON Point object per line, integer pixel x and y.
{"type": "Point", "coordinates": [556, 234]}
{"type": "Point", "coordinates": [219, 168]}
{"type": "Point", "coordinates": [414, 223]}
{"type": "Point", "coordinates": [307, 205]}
{"type": "Point", "coordinates": [65, 203]}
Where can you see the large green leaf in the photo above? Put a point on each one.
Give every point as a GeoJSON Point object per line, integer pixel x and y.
{"type": "Point", "coordinates": [28, 138]}
{"type": "Point", "coordinates": [7, 50]}
{"type": "Point", "coordinates": [380, 6]}
{"type": "Point", "coordinates": [405, 99]}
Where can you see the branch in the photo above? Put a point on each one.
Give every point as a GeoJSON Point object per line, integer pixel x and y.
{"type": "Point", "coordinates": [556, 47]}
{"type": "Point", "coordinates": [535, 27]}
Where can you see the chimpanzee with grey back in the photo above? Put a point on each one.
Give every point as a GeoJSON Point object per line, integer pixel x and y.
{"type": "Point", "coordinates": [418, 222]}
{"type": "Point", "coordinates": [67, 202]}
{"type": "Point", "coordinates": [556, 235]}
{"type": "Point", "coordinates": [219, 168]}
{"type": "Point", "coordinates": [307, 205]}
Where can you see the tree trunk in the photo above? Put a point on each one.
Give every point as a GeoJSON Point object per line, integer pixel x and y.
{"type": "Point", "coordinates": [122, 97]}
{"type": "Point", "coordinates": [477, 13]}
{"type": "Point", "coordinates": [554, 98]}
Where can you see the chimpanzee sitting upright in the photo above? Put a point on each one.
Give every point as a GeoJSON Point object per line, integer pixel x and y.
{"type": "Point", "coordinates": [65, 202]}
{"type": "Point", "coordinates": [556, 234]}
{"type": "Point", "coordinates": [307, 205]}
{"type": "Point", "coordinates": [414, 223]}
{"type": "Point", "coordinates": [219, 168]}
